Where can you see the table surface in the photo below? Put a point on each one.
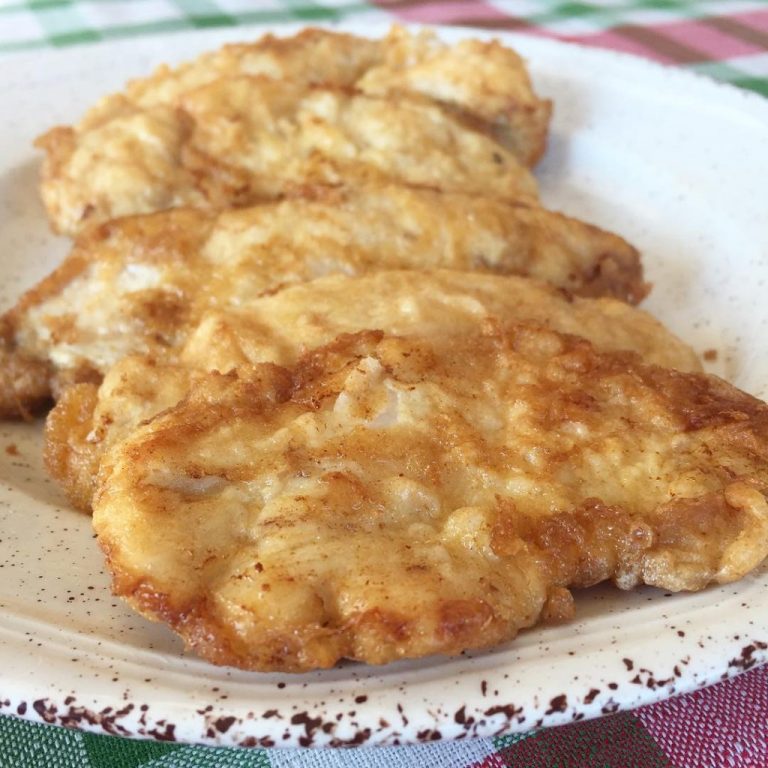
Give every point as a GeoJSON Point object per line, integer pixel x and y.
{"type": "Point", "coordinates": [724, 725]}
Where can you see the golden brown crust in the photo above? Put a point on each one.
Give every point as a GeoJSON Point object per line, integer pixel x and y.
{"type": "Point", "coordinates": [24, 385]}
{"type": "Point", "coordinates": [247, 122]}
{"type": "Point", "coordinates": [162, 271]}
{"type": "Point", "coordinates": [615, 272]}
{"type": "Point", "coordinates": [89, 418]}
{"type": "Point", "coordinates": [246, 139]}
{"type": "Point", "coordinates": [70, 458]}
{"type": "Point", "coordinates": [28, 378]}
{"type": "Point", "coordinates": [279, 327]}
{"type": "Point", "coordinates": [312, 55]}
{"type": "Point", "coordinates": [483, 81]}
{"type": "Point", "coordinates": [369, 504]}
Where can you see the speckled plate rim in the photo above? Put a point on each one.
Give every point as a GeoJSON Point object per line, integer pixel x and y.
{"type": "Point", "coordinates": [547, 677]}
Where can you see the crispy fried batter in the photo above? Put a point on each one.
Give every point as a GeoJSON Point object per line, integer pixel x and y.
{"type": "Point", "coordinates": [394, 497]}
{"type": "Point", "coordinates": [255, 138]}
{"type": "Point", "coordinates": [25, 380]}
{"type": "Point", "coordinates": [312, 55]}
{"type": "Point", "coordinates": [25, 385]}
{"type": "Point", "coordinates": [69, 452]}
{"type": "Point", "coordinates": [245, 123]}
{"type": "Point", "coordinates": [280, 327]}
{"type": "Point", "coordinates": [484, 82]}
{"type": "Point", "coordinates": [88, 418]}
{"type": "Point", "coordinates": [140, 284]}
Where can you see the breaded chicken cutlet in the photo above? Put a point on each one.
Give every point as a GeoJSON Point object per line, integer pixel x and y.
{"type": "Point", "coordinates": [140, 284]}
{"type": "Point", "coordinates": [391, 497]}
{"type": "Point", "coordinates": [302, 437]}
{"type": "Point", "coordinates": [278, 328]}
{"type": "Point", "coordinates": [245, 123]}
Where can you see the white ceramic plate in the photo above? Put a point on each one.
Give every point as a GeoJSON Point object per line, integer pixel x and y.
{"type": "Point", "coordinates": [675, 163]}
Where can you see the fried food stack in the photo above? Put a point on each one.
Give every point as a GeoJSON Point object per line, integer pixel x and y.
{"type": "Point", "coordinates": [333, 382]}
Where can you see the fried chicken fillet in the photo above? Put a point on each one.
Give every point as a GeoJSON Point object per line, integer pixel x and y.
{"type": "Point", "coordinates": [247, 122]}
{"type": "Point", "coordinates": [391, 497]}
{"type": "Point", "coordinates": [280, 327]}
{"type": "Point", "coordinates": [140, 284]}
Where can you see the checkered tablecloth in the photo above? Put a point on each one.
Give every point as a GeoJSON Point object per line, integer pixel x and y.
{"type": "Point", "coordinates": [727, 39]}
{"type": "Point", "coordinates": [724, 725]}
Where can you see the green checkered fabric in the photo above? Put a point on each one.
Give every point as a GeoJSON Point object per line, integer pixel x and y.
{"type": "Point", "coordinates": [619, 741]}
{"type": "Point", "coordinates": [41, 23]}
{"type": "Point", "coordinates": [723, 39]}
{"type": "Point", "coordinates": [29, 745]}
